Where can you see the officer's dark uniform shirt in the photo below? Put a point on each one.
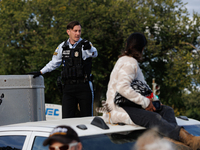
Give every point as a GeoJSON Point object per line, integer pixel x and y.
{"type": "Point", "coordinates": [57, 56]}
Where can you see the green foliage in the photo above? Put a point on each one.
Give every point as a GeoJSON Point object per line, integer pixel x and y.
{"type": "Point", "coordinates": [13, 26]}
{"type": "Point", "coordinates": [31, 30]}
{"type": "Point", "coordinates": [192, 103]}
{"type": "Point", "coordinates": [169, 26]}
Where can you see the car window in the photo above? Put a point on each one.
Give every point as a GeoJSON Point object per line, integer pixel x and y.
{"type": "Point", "coordinates": [38, 143]}
{"type": "Point", "coordinates": [115, 141]}
{"type": "Point", "coordinates": [193, 129]}
{"type": "Point", "coordinates": [14, 142]}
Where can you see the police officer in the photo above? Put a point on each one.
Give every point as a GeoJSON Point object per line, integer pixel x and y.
{"type": "Point", "coordinates": [75, 55]}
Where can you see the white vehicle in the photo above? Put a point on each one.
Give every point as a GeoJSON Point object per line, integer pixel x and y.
{"type": "Point", "coordinates": [22, 115]}
{"type": "Point", "coordinates": [30, 135]}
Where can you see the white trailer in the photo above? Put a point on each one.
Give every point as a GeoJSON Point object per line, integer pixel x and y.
{"type": "Point", "coordinates": [22, 99]}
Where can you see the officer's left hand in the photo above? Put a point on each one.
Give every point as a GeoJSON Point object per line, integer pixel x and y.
{"type": "Point", "coordinates": [35, 73]}
{"type": "Point", "coordinates": [87, 45]}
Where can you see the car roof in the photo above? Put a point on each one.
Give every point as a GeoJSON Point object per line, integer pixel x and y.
{"type": "Point", "coordinates": [47, 126]}
{"type": "Point", "coordinates": [184, 121]}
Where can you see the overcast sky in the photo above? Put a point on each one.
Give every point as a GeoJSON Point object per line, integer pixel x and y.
{"type": "Point", "coordinates": [192, 5]}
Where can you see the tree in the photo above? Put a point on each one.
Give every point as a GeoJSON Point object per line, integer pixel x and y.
{"type": "Point", "coordinates": [13, 37]}
{"type": "Point", "coordinates": [168, 25]}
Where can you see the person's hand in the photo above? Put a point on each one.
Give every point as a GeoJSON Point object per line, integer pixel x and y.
{"type": "Point", "coordinates": [150, 107]}
{"type": "Point", "coordinates": [87, 45]}
{"type": "Point", "coordinates": [35, 73]}
{"type": "Point", "coordinates": [104, 109]}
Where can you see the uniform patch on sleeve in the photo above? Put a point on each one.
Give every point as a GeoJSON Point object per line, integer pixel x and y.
{"type": "Point", "coordinates": [55, 53]}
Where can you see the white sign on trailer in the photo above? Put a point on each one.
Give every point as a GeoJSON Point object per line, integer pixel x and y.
{"type": "Point", "coordinates": [53, 111]}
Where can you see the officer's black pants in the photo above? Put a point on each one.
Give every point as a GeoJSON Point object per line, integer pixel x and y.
{"type": "Point", "coordinates": [74, 94]}
{"type": "Point", "coordinates": [164, 120]}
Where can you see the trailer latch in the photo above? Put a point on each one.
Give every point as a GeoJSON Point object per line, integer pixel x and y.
{"type": "Point", "coordinates": [2, 96]}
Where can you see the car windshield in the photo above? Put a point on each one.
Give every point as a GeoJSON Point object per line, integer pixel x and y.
{"type": "Point", "coordinates": [14, 142]}
{"type": "Point", "coordinates": [122, 140]}
{"type": "Point", "coordinates": [117, 141]}
{"type": "Point", "coordinates": [193, 129]}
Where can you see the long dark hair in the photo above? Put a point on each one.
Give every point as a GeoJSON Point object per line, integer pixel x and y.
{"type": "Point", "coordinates": [134, 46]}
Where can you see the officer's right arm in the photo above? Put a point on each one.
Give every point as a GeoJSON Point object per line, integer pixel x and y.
{"type": "Point", "coordinates": [55, 62]}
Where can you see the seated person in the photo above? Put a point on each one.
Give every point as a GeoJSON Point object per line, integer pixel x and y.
{"type": "Point", "coordinates": [137, 108]}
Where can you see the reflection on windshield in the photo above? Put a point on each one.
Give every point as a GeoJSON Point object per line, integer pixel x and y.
{"type": "Point", "coordinates": [11, 142]}
{"type": "Point", "coordinates": [115, 141]}
{"type": "Point", "coordinates": [121, 140]}
{"type": "Point", "coordinates": [193, 129]}
{"type": "Point", "coordinates": [38, 143]}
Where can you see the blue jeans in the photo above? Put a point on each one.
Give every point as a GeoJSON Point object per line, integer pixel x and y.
{"type": "Point", "coordinates": [164, 120]}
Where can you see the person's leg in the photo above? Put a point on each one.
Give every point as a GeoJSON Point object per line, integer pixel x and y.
{"type": "Point", "coordinates": [167, 113]}
{"type": "Point", "coordinates": [85, 99]}
{"type": "Point", "coordinates": [150, 119]}
{"type": "Point", "coordinates": [69, 102]}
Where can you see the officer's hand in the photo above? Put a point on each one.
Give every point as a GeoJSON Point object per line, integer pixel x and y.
{"type": "Point", "coordinates": [87, 45]}
{"type": "Point", "coordinates": [35, 73]}
{"type": "Point", "coordinates": [150, 107]}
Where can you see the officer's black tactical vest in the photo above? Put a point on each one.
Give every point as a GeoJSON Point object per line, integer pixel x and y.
{"type": "Point", "coordinates": [74, 67]}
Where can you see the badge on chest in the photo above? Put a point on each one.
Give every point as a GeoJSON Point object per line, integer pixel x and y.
{"type": "Point", "coordinates": [76, 54]}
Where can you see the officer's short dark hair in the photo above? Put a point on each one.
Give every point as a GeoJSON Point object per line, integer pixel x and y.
{"type": "Point", "coordinates": [72, 24]}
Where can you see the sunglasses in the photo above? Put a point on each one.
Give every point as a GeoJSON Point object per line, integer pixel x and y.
{"type": "Point", "coordinates": [63, 147]}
